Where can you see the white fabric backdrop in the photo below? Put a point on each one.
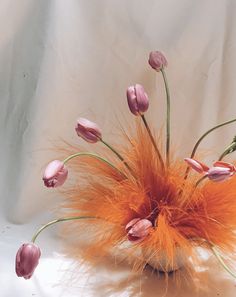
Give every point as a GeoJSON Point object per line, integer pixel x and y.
{"type": "Point", "coordinates": [60, 59]}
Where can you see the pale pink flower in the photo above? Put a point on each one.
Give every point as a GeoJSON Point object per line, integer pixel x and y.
{"type": "Point", "coordinates": [157, 60]}
{"type": "Point", "coordinates": [138, 229]}
{"type": "Point", "coordinates": [196, 165]}
{"type": "Point", "coordinates": [27, 259]}
{"type": "Point", "coordinates": [88, 130]}
{"type": "Point", "coordinates": [55, 174]}
{"type": "Point", "coordinates": [221, 171]}
{"type": "Point", "coordinates": [137, 99]}
{"type": "Point", "coordinates": [230, 166]}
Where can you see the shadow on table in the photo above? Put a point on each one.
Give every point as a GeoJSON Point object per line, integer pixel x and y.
{"type": "Point", "coordinates": [209, 282]}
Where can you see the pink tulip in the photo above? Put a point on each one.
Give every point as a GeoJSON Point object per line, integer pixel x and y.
{"type": "Point", "coordinates": [138, 229]}
{"type": "Point", "coordinates": [88, 130]}
{"type": "Point", "coordinates": [27, 259]}
{"type": "Point", "coordinates": [219, 174]}
{"type": "Point", "coordinates": [157, 60]}
{"type": "Point", "coordinates": [55, 174]}
{"type": "Point", "coordinates": [196, 165]}
{"type": "Point", "coordinates": [137, 99]}
{"type": "Point", "coordinates": [231, 167]}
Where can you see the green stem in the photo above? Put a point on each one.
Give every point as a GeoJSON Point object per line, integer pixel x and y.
{"type": "Point", "coordinates": [227, 151]}
{"type": "Point", "coordinates": [182, 202]}
{"type": "Point", "coordinates": [217, 255]}
{"type": "Point", "coordinates": [152, 140]}
{"type": "Point", "coordinates": [57, 221]}
{"type": "Point", "coordinates": [200, 140]}
{"type": "Point", "coordinates": [221, 261]}
{"type": "Point", "coordinates": [167, 117]}
{"type": "Point", "coordinates": [200, 180]}
{"type": "Point", "coordinates": [96, 157]}
{"type": "Point", "coordinates": [118, 155]}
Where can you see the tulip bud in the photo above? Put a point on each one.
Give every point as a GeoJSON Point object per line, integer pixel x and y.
{"type": "Point", "coordinates": [157, 60]}
{"type": "Point", "coordinates": [137, 99]}
{"type": "Point", "coordinates": [219, 174]}
{"type": "Point", "coordinates": [88, 130]}
{"type": "Point", "coordinates": [196, 165]}
{"type": "Point", "coordinates": [27, 259]}
{"type": "Point", "coordinates": [55, 174]}
{"type": "Point", "coordinates": [231, 167]}
{"type": "Point", "coordinates": [138, 229]}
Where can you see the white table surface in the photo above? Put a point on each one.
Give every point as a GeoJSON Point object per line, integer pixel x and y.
{"type": "Point", "coordinates": [57, 275]}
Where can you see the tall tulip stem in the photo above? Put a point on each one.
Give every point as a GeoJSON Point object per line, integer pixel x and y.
{"type": "Point", "coordinates": [152, 140]}
{"type": "Point", "coordinates": [57, 221]}
{"type": "Point", "coordinates": [221, 261]}
{"type": "Point", "coordinates": [118, 155]}
{"type": "Point", "coordinates": [167, 116]}
{"type": "Point", "coordinates": [92, 155]}
{"type": "Point", "coordinates": [230, 149]}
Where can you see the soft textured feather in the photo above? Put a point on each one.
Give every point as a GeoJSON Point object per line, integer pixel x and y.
{"type": "Point", "coordinates": [183, 215]}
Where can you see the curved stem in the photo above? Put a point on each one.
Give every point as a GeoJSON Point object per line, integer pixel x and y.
{"type": "Point", "coordinates": [227, 151]}
{"type": "Point", "coordinates": [96, 157]}
{"type": "Point", "coordinates": [118, 155]}
{"type": "Point", "coordinates": [57, 221]}
{"type": "Point", "coordinates": [182, 202]}
{"type": "Point", "coordinates": [200, 180]}
{"type": "Point", "coordinates": [152, 140]}
{"type": "Point", "coordinates": [221, 261]}
{"type": "Point", "coordinates": [218, 256]}
{"type": "Point", "coordinates": [167, 117]}
{"type": "Point", "coordinates": [200, 140]}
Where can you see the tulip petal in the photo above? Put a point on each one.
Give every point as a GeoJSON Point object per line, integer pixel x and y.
{"type": "Point", "coordinates": [142, 98]}
{"type": "Point", "coordinates": [131, 224]}
{"type": "Point", "coordinates": [55, 174]}
{"type": "Point", "coordinates": [196, 165]}
{"type": "Point", "coordinates": [88, 130]}
{"type": "Point", "coordinates": [138, 229]}
{"type": "Point", "coordinates": [137, 99]}
{"type": "Point", "coordinates": [132, 100]}
{"type": "Point", "coordinates": [230, 166]}
{"type": "Point", "coordinates": [27, 259]}
{"type": "Point", "coordinates": [219, 174]}
{"type": "Point", "coordinates": [157, 60]}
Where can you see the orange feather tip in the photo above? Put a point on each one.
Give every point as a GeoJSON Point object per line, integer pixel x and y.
{"type": "Point", "coordinates": [182, 215]}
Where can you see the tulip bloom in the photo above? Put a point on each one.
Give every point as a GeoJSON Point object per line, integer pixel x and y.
{"type": "Point", "coordinates": [220, 171]}
{"type": "Point", "coordinates": [138, 229]}
{"type": "Point", "coordinates": [55, 174]}
{"type": "Point", "coordinates": [196, 165]}
{"type": "Point", "coordinates": [88, 130]}
{"type": "Point", "coordinates": [27, 259]}
{"type": "Point", "coordinates": [157, 60]}
{"type": "Point", "coordinates": [137, 99]}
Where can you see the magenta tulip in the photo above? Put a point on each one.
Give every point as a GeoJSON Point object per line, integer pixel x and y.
{"type": "Point", "coordinates": [138, 229]}
{"type": "Point", "coordinates": [157, 60]}
{"type": "Point", "coordinates": [55, 174]}
{"type": "Point", "coordinates": [88, 130]}
{"type": "Point", "coordinates": [137, 99]}
{"type": "Point", "coordinates": [27, 259]}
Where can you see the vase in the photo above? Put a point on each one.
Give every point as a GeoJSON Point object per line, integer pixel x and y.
{"type": "Point", "coordinates": [159, 260]}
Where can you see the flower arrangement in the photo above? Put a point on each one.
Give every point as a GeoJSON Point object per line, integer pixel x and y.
{"type": "Point", "coordinates": [141, 198]}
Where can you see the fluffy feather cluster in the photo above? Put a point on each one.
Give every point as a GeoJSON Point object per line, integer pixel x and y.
{"type": "Point", "coordinates": [183, 216]}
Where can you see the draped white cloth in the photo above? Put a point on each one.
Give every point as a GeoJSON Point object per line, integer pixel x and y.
{"type": "Point", "coordinates": [64, 59]}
